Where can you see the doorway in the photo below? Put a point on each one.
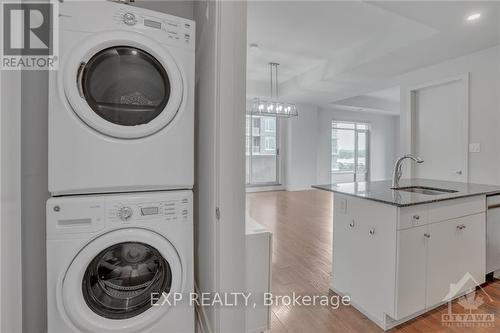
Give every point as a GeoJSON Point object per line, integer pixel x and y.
{"type": "Point", "coordinates": [262, 151]}
{"type": "Point", "coordinates": [350, 152]}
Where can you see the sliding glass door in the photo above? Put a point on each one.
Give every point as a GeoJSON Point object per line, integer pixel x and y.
{"type": "Point", "coordinates": [350, 159]}
{"type": "Point", "coordinates": [262, 151]}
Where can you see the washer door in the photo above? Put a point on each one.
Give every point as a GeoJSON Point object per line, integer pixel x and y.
{"type": "Point", "coordinates": [113, 281]}
{"type": "Point", "coordinates": [123, 84]}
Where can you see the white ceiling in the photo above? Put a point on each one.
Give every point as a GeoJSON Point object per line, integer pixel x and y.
{"type": "Point", "coordinates": [384, 101]}
{"type": "Point", "coordinates": [331, 51]}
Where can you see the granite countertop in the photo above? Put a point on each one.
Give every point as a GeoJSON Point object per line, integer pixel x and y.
{"type": "Point", "coordinates": [381, 191]}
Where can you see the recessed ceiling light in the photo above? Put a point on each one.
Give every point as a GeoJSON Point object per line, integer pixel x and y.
{"type": "Point", "coordinates": [473, 17]}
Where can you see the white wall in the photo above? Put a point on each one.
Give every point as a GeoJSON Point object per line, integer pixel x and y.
{"type": "Point", "coordinates": [391, 135]}
{"type": "Point", "coordinates": [34, 132]}
{"type": "Point", "coordinates": [308, 145]}
{"type": "Point", "coordinates": [220, 157]}
{"type": "Point", "coordinates": [10, 203]}
{"type": "Point", "coordinates": [205, 192]}
{"type": "Point", "coordinates": [301, 148]}
{"type": "Point", "coordinates": [383, 142]}
{"type": "Point", "coordinates": [484, 104]}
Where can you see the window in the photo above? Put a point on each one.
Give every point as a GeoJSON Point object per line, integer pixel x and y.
{"type": "Point", "coordinates": [269, 144]}
{"type": "Point", "coordinates": [350, 152]}
{"type": "Point", "coordinates": [262, 151]}
{"type": "Point", "coordinates": [269, 124]}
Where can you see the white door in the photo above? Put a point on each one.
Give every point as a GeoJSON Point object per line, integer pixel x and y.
{"type": "Point", "coordinates": [350, 152]}
{"type": "Point", "coordinates": [441, 131]}
{"type": "Point", "coordinates": [262, 151]}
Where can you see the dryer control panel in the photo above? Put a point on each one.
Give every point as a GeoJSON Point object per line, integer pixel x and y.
{"type": "Point", "coordinates": [107, 15]}
{"type": "Point", "coordinates": [176, 30]}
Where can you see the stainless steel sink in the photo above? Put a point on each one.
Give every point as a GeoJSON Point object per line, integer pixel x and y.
{"type": "Point", "coordinates": [424, 190]}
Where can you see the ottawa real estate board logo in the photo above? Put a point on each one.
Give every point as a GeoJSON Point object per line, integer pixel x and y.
{"type": "Point", "coordinates": [29, 38]}
{"type": "Point", "coordinates": [471, 308]}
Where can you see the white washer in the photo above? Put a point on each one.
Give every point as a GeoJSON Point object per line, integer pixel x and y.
{"type": "Point", "coordinates": [108, 256]}
{"type": "Point", "coordinates": [121, 105]}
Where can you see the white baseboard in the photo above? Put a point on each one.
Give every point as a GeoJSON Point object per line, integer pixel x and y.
{"type": "Point", "coordinates": [253, 189]}
{"type": "Point", "coordinates": [299, 188]}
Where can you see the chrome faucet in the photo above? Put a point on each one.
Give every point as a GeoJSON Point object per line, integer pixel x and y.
{"type": "Point", "coordinates": [397, 173]}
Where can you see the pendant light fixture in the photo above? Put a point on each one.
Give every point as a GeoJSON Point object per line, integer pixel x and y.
{"type": "Point", "coordinates": [273, 107]}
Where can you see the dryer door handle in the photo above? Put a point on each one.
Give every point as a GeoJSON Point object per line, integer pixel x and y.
{"type": "Point", "coordinates": [79, 78]}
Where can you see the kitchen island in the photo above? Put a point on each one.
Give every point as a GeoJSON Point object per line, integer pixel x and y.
{"type": "Point", "coordinates": [400, 253]}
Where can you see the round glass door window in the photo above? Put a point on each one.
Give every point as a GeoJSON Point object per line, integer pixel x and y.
{"type": "Point", "coordinates": [125, 85]}
{"type": "Point", "coordinates": [119, 281]}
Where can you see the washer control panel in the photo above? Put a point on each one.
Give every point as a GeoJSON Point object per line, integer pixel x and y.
{"type": "Point", "coordinates": [175, 209]}
{"type": "Point", "coordinates": [175, 29]}
{"type": "Point", "coordinates": [93, 213]}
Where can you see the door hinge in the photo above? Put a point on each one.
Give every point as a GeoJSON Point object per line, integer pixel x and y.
{"type": "Point", "coordinates": [217, 213]}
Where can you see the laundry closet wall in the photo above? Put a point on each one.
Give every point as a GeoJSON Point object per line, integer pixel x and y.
{"type": "Point", "coordinates": [34, 192]}
{"type": "Point", "coordinates": [10, 202]}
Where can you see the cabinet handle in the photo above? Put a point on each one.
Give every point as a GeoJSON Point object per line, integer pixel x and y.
{"type": "Point", "coordinates": [372, 231]}
{"type": "Point", "coordinates": [427, 235]}
{"type": "Point", "coordinates": [351, 224]}
{"type": "Point", "coordinates": [461, 226]}
{"type": "Point", "coordinates": [494, 206]}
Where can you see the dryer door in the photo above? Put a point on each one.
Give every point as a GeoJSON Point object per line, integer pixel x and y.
{"type": "Point", "coordinates": [123, 85]}
{"type": "Point", "coordinates": [119, 281]}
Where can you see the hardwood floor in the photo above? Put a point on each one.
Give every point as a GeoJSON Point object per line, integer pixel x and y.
{"type": "Point", "coordinates": [301, 223]}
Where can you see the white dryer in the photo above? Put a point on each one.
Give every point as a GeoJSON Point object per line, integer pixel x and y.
{"type": "Point", "coordinates": [110, 258]}
{"type": "Point", "coordinates": [121, 105]}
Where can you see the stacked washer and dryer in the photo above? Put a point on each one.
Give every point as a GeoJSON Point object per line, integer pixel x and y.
{"type": "Point", "coordinates": [121, 165]}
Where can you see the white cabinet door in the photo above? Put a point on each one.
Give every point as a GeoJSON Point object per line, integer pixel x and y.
{"type": "Point", "coordinates": [343, 237]}
{"type": "Point", "coordinates": [258, 279]}
{"type": "Point", "coordinates": [472, 251]}
{"type": "Point", "coordinates": [456, 247]}
{"type": "Point", "coordinates": [412, 271]}
{"type": "Point", "coordinates": [371, 247]}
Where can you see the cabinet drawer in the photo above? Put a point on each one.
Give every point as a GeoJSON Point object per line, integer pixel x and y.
{"type": "Point", "coordinates": [450, 209]}
{"type": "Point", "coordinates": [412, 216]}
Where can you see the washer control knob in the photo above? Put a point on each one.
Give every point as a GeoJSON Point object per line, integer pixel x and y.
{"type": "Point", "coordinates": [129, 19]}
{"type": "Point", "coordinates": [124, 213]}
